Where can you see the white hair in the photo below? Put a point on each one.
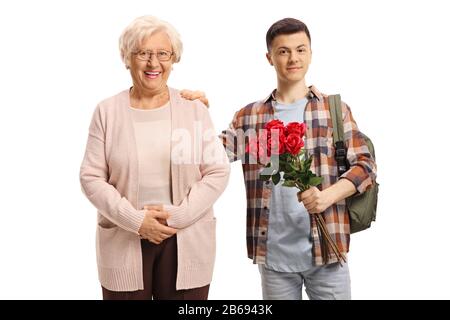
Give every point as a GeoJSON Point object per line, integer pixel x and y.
{"type": "Point", "coordinates": [145, 26]}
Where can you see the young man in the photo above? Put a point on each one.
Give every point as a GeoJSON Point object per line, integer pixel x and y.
{"type": "Point", "coordinates": [281, 237]}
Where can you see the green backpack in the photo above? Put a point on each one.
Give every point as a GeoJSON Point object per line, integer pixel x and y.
{"type": "Point", "coordinates": [361, 207]}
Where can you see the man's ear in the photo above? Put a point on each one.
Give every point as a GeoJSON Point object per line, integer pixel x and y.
{"type": "Point", "coordinates": [269, 58]}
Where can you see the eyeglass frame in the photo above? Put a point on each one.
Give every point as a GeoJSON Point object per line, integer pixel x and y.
{"type": "Point", "coordinates": [150, 53]}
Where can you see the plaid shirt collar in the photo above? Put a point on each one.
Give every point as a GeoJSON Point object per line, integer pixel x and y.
{"type": "Point", "coordinates": [313, 93]}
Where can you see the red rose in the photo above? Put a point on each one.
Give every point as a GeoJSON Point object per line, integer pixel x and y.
{"type": "Point", "coordinates": [263, 154]}
{"type": "Point", "coordinates": [277, 147]}
{"type": "Point", "coordinates": [277, 128]}
{"type": "Point", "coordinates": [295, 127]}
{"type": "Point", "coordinates": [275, 124]}
{"type": "Point", "coordinates": [252, 147]}
{"type": "Point", "coordinates": [263, 147]}
{"type": "Point", "coordinates": [294, 143]}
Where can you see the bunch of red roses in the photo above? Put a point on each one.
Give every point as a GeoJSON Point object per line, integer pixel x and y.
{"type": "Point", "coordinates": [277, 139]}
{"type": "Point", "coordinates": [283, 145]}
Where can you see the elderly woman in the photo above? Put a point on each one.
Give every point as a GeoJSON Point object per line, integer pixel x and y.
{"type": "Point", "coordinates": [153, 168]}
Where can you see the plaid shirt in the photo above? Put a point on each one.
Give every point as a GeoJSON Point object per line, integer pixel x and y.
{"type": "Point", "coordinates": [319, 143]}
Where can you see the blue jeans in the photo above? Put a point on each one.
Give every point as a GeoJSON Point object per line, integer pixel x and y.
{"type": "Point", "coordinates": [327, 282]}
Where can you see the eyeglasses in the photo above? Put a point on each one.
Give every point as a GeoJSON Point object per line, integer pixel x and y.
{"type": "Point", "coordinates": [161, 55]}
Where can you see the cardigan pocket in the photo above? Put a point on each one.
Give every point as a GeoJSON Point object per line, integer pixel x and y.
{"type": "Point", "coordinates": [198, 242]}
{"type": "Point", "coordinates": [113, 247]}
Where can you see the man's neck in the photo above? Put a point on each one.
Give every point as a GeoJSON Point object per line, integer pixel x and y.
{"type": "Point", "coordinates": [288, 93]}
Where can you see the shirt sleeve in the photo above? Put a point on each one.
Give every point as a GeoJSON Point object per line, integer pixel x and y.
{"type": "Point", "coordinates": [233, 140]}
{"type": "Point", "coordinates": [362, 172]}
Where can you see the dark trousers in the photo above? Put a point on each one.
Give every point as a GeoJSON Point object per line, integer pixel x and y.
{"type": "Point", "coordinates": [160, 274]}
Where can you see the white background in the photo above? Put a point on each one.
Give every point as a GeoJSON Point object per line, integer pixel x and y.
{"type": "Point", "coordinates": [388, 59]}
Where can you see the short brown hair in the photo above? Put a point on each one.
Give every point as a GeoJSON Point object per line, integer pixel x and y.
{"type": "Point", "coordinates": [285, 26]}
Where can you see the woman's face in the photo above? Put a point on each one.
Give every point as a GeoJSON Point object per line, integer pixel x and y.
{"type": "Point", "coordinates": [151, 75]}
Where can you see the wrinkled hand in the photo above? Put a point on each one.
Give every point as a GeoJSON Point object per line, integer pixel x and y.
{"type": "Point", "coordinates": [157, 208]}
{"type": "Point", "coordinates": [193, 95]}
{"type": "Point", "coordinates": [153, 230]}
{"type": "Point", "coordinates": [316, 201]}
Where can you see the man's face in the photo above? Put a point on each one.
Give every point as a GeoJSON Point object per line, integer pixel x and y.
{"type": "Point", "coordinates": [290, 55]}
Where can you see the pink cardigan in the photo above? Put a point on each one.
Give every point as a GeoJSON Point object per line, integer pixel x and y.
{"type": "Point", "coordinates": [109, 179]}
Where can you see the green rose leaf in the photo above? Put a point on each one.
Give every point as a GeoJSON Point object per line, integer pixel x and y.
{"type": "Point", "coordinates": [288, 183]}
{"type": "Point", "coordinates": [294, 167]}
{"type": "Point", "coordinates": [285, 167]}
{"type": "Point", "coordinates": [289, 176]}
{"type": "Point", "coordinates": [276, 178]}
{"type": "Point", "coordinates": [315, 181]}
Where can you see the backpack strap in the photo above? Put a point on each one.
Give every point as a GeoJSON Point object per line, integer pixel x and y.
{"type": "Point", "coordinates": [336, 116]}
{"type": "Point", "coordinates": [334, 102]}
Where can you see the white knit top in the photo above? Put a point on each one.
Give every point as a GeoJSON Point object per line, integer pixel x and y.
{"type": "Point", "coordinates": [152, 130]}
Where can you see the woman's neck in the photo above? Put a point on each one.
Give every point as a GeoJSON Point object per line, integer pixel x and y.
{"type": "Point", "coordinates": [143, 99]}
